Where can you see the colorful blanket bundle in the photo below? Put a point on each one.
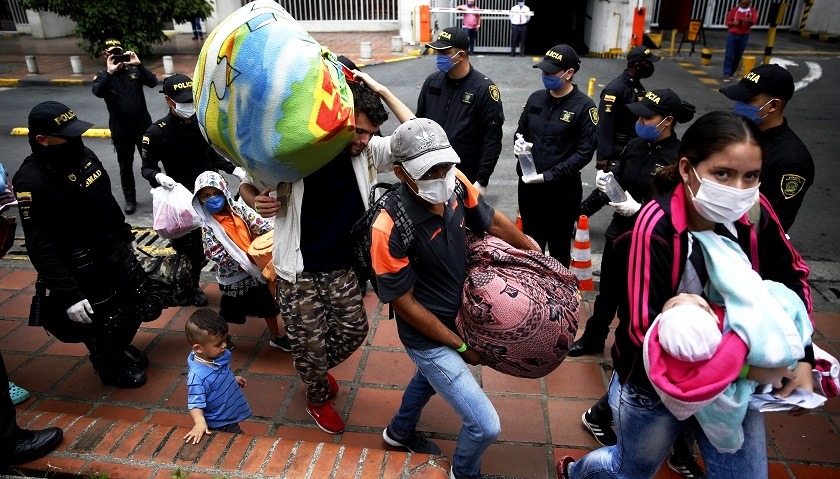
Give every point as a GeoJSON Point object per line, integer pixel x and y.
{"type": "Point", "coordinates": [269, 97]}
{"type": "Point", "coordinates": [519, 308]}
{"type": "Point", "coordinates": [764, 321]}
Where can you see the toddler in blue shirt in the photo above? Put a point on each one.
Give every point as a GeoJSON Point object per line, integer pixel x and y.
{"type": "Point", "coordinates": [214, 394]}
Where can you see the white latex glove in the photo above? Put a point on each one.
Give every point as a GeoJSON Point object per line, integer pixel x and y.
{"type": "Point", "coordinates": [79, 312]}
{"type": "Point", "coordinates": [521, 146]}
{"type": "Point", "coordinates": [534, 179]}
{"type": "Point", "coordinates": [165, 181]}
{"type": "Point", "coordinates": [240, 173]}
{"type": "Point", "coordinates": [628, 207]}
{"type": "Point", "coordinates": [600, 177]}
{"type": "Point", "coordinates": [480, 188]}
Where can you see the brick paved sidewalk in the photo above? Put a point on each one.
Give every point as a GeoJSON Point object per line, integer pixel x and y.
{"type": "Point", "coordinates": [136, 433]}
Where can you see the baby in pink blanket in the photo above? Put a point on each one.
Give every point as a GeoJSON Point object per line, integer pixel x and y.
{"type": "Point", "coordinates": [688, 328]}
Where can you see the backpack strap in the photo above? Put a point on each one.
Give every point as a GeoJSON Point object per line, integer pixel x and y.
{"type": "Point", "coordinates": [405, 227]}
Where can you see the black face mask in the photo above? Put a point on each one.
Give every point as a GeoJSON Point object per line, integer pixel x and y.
{"type": "Point", "coordinates": [66, 157]}
{"type": "Point", "coordinates": [646, 71]}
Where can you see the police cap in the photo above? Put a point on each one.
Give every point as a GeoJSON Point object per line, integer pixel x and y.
{"type": "Point", "coordinates": [657, 102]}
{"type": "Point", "coordinates": [56, 119]}
{"type": "Point", "coordinates": [771, 80]}
{"type": "Point", "coordinates": [559, 57]}
{"type": "Point", "coordinates": [179, 87]}
{"type": "Point", "coordinates": [638, 54]}
{"type": "Point", "coordinates": [112, 45]}
{"type": "Point", "coordinates": [452, 37]}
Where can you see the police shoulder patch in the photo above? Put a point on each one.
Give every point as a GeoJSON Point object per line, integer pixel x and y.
{"type": "Point", "coordinates": [610, 98]}
{"type": "Point", "coordinates": [145, 140]}
{"type": "Point", "coordinates": [791, 185]}
{"type": "Point", "coordinates": [593, 115]}
{"type": "Point", "coordinates": [494, 93]}
{"type": "Point", "coordinates": [23, 196]}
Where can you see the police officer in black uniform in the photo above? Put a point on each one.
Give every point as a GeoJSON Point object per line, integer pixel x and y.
{"type": "Point", "coordinates": [176, 142]}
{"type": "Point", "coordinates": [788, 168]}
{"type": "Point", "coordinates": [81, 246]}
{"type": "Point", "coordinates": [467, 104]}
{"type": "Point", "coordinates": [558, 126]}
{"type": "Point", "coordinates": [121, 85]}
{"type": "Point", "coordinates": [617, 123]}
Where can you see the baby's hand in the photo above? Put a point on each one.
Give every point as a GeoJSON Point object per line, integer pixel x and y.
{"type": "Point", "coordinates": [196, 432]}
{"type": "Point", "coordinates": [241, 381]}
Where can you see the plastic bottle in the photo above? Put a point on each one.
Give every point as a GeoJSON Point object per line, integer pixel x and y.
{"type": "Point", "coordinates": [614, 191]}
{"type": "Point", "coordinates": [526, 160]}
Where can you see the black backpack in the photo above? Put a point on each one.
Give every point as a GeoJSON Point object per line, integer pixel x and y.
{"type": "Point", "coordinates": [170, 274]}
{"type": "Point", "coordinates": [391, 202]}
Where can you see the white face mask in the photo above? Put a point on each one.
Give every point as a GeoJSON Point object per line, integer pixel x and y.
{"type": "Point", "coordinates": [185, 110]}
{"type": "Point", "coordinates": [720, 203]}
{"type": "Point", "coordinates": [439, 190]}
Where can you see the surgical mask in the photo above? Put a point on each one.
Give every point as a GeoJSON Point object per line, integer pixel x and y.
{"type": "Point", "coordinates": [750, 111]}
{"type": "Point", "coordinates": [521, 4]}
{"type": "Point", "coordinates": [215, 204]}
{"type": "Point", "coordinates": [552, 82]}
{"type": "Point", "coordinates": [185, 110]}
{"type": "Point", "coordinates": [444, 63]}
{"type": "Point", "coordinates": [470, 4]}
{"type": "Point", "coordinates": [720, 203]}
{"type": "Point", "coordinates": [438, 190]}
{"type": "Point", "coordinates": [649, 132]}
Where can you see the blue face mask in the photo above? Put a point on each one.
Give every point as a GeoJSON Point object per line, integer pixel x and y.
{"type": "Point", "coordinates": [444, 63]}
{"type": "Point", "coordinates": [553, 82]}
{"type": "Point", "coordinates": [649, 132]}
{"type": "Point", "coordinates": [215, 204]}
{"type": "Point", "coordinates": [521, 4]}
{"type": "Point", "coordinates": [749, 111]}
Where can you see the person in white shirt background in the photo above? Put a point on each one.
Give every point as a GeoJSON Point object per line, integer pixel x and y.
{"type": "Point", "coordinates": [519, 16]}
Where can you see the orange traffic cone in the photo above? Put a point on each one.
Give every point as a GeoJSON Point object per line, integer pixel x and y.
{"type": "Point", "coordinates": [581, 264]}
{"type": "Point", "coordinates": [519, 220]}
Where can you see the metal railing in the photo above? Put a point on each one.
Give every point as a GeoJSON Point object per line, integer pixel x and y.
{"type": "Point", "coordinates": [341, 10]}
{"type": "Point", "coordinates": [713, 12]}
{"type": "Point", "coordinates": [18, 12]}
{"type": "Point", "coordinates": [494, 35]}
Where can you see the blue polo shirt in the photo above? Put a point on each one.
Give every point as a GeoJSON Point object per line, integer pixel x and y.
{"type": "Point", "coordinates": [213, 389]}
{"type": "Point", "coordinates": [440, 269]}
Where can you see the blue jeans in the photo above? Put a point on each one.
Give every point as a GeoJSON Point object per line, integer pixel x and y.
{"type": "Point", "coordinates": [735, 46]}
{"type": "Point", "coordinates": [472, 34]}
{"type": "Point", "coordinates": [646, 430]}
{"type": "Point", "coordinates": [443, 371]}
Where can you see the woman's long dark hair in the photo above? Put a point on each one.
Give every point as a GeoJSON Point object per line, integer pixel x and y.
{"type": "Point", "coordinates": [710, 134]}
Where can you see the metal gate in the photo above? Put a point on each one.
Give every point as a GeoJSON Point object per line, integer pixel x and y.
{"type": "Point", "coordinates": [713, 12]}
{"type": "Point", "coordinates": [340, 10]}
{"type": "Point", "coordinates": [14, 17]}
{"type": "Point", "coordinates": [494, 34]}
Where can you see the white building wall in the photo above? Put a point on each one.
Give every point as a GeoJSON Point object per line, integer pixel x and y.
{"type": "Point", "coordinates": [824, 17]}
{"type": "Point", "coordinates": [611, 25]}
{"type": "Point", "coordinates": [49, 25]}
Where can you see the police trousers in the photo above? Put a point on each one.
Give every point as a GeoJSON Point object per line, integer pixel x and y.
{"type": "Point", "coordinates": [549, 212]}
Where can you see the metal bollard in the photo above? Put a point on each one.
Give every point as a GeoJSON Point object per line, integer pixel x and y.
{"type": "Point", "coordinates": [76, 64]}
{"type": "Point", "coordinates": [367, 52]}
{"type": "Point", "coordinates": [706, 57]}
{"type": "Point", "coordinates": [396, 44]}
{"type": "Point", "coordinates": [31, 64]}
{"type": "Point", "coordinates": [168, 65]}
{"type": "Point", "coordinates": [748, 63]}
{"type": "Point", "coordinates": [591, 90]}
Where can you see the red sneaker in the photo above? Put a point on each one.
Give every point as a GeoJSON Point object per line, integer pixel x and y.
{"type": "Point", "coordinates": [326, 418]}
{"type": "Point", "coordinates": [333, 385]}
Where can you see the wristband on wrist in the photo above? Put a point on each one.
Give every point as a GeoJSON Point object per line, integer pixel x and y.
{"type": "Point", "coordinates": [462, 348]}
{"type": "Point", "coordinates": [744, 371]}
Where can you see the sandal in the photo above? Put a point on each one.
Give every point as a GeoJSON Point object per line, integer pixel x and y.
{"type": "Point", "coordinates": [17, 393]}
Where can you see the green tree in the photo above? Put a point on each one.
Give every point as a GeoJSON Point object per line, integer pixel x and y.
{"type": "Point", "coordinates": [137, 23]}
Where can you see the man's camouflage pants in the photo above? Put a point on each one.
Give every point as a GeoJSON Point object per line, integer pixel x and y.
{"type": "Point", "coordinates": [326, 322]}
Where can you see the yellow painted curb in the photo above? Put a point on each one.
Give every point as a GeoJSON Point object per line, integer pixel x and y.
{"type": "Point", "coordinates": [67, 81]}
{"type": "Point", "coordinates": [709, 81]}
{"type": "Point", "coordinates": [8, 82]}
{"type": "Point", "coordinates": [415, 52]}
{"type": "Point", "coordinates": [398, 59]}
{"type": "Point", "coordinates": [91, 133]}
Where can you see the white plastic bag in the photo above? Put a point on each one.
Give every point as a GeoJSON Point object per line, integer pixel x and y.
{"type": "Point", "coordinates": [172, 211]}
